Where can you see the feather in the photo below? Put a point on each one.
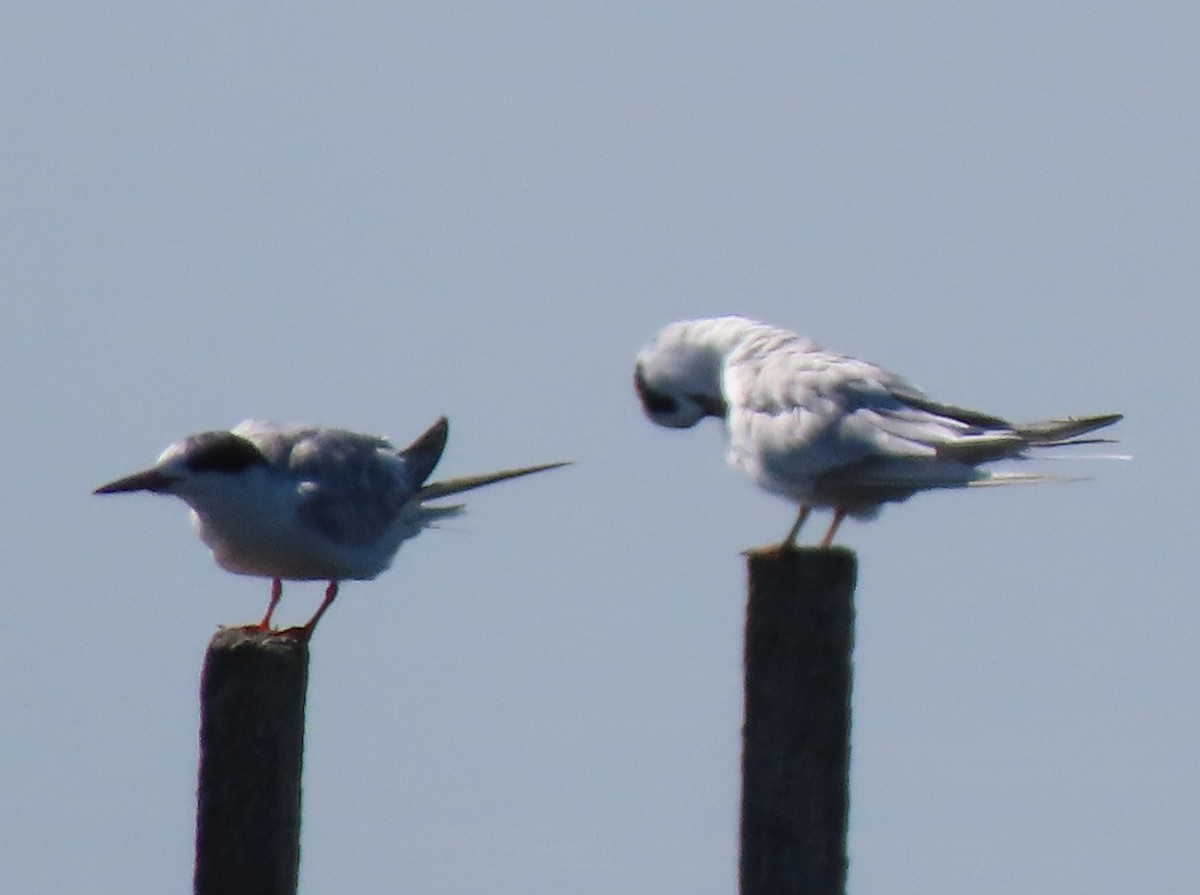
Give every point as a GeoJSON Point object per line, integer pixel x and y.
{"type": "Point", "coordinates": [435, 490]}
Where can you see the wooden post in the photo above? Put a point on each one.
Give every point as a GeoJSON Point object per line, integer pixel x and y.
{"type": "Point", "coordinates": [796, 738]}
{"type": "Point", "coordinates": [251, 750]}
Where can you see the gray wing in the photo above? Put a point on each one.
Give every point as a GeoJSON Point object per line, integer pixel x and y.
{"type": "Point", "coordinates": [354, 487]}
{"type": "Point", "coordinates": [806, 412]}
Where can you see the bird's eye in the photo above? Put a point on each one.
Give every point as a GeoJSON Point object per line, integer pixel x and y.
{"type": "Point", "coordinates": [657, 402]}
{"type": "Point", "coordinates": [654, 401]}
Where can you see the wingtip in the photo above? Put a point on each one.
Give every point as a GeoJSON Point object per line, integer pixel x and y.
{"type": "Point", "coordinates": [1100, 420]}
{"type": "Point", "coordinates": [1045, 433]}
{"type": "Point", "coordinates": [435, 490]}
{"type": "Point", "coordinates": [542, 467]}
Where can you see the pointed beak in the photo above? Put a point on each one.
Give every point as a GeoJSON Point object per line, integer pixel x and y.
{"type": "Point", "coordinates": [146, 480]}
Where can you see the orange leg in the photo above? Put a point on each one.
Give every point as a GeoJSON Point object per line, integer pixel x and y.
{"type": "Point", "coordinates": [331, 593]}
{"type": "Point", "coordinates": [838, 515]}
{"type": "Point", "coordinates": [790, 541]}
{"type": "Point", "coordinates": [276, 593]}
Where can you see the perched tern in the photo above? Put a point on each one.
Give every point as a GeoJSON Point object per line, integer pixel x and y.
{"type": "Point", "coordinates": [306, 503]}
{"type": "Point", "coordinates": [825, 430]}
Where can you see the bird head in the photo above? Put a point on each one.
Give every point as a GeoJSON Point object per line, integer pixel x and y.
{"type": "Point", "coordinates": [678, 375]}
{"type": "Point", "coordinates": [192, 467]}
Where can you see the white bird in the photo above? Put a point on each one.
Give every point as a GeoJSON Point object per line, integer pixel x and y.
{"type": "Point", "coordinates": [825, 430]}
{"type": "Point", "coordinates": [306, 503]}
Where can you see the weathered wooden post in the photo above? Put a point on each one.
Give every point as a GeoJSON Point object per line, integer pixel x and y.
{"type": "Point", "coordinates": [252, 693]}
{"type": "Point", "coordinates": [796, 738]}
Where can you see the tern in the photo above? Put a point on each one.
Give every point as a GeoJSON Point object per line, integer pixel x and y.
{"type": "Point", "coordinates": [296, 503]}
{"type": "Point", "coordinates": [827, 430]}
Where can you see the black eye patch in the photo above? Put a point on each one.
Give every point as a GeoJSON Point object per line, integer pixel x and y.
{"type": "Point", "coordinates": [653, 401]}
{"type": "Point", "coordinates": [711, 406]}
{"type": "Point", "coordinates": [221, 452]}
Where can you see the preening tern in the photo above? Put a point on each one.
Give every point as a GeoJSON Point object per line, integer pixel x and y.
{"type": "Point", "coordinates": [825, 430]}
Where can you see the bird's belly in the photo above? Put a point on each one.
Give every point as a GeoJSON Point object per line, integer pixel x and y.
{"type": "Point", "coordinates": [291, 566]}
{"type": "Point", "coordinates": [791, 458]}
{"type": "Point", "coordinates": [285, 552]}
{"type": "Point", "coordinates": [775, 475]}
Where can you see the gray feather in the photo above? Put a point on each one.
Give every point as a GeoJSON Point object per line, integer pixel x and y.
{"type": "Point", "coordinates": [435, 490]}
{"type": "Point", "coordinates": [423, 455]}
{"type": "Point", "coordinates": [1057, 432]}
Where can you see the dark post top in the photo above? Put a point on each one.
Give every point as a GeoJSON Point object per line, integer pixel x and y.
{"type": "Point", "coordinates": [796, 738]}
{"type": "Point", "coordinates": [252, 693]}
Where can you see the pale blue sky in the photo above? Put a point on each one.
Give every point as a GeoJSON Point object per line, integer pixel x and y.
{"type": "Point", "coordinates": [371, 214]}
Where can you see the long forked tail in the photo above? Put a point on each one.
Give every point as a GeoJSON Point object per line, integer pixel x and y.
{"type": "Point", "coordinates": [1050, 433]}
{"type": "Point", "coordinates": [434, 490]}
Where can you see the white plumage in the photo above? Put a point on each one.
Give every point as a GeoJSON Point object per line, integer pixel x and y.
{"type": "Point", "coordinates": [825, 430]}
{"type": "Point", "coordinates": [303, 503]}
